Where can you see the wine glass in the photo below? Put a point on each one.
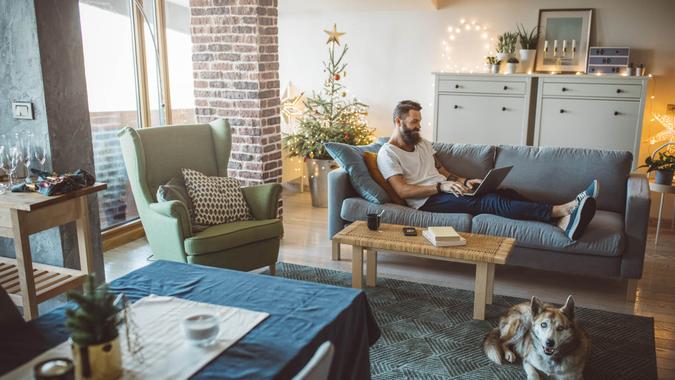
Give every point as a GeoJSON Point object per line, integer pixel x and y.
{"type": "Point", "coordinates": [14, 157]}
{"type": "Point", "coordinates": [25, 154]}
{"type": "Point", "coordinates": [40, 151]}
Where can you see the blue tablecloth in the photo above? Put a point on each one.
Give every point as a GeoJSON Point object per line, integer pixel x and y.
{"type": "Point", "coordinates": [302, 316]}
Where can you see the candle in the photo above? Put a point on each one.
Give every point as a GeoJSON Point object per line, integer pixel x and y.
{"type": "Point", "coordinates": [564, 47]}
{"type": "Point", "coordinates": [545, 47]}
{"type": "Point", "coordinates": [574, 47]}
{"type": "Point", "coordinates": [555, 48]}
{"type": "Point", "coordinates": [201, 329]}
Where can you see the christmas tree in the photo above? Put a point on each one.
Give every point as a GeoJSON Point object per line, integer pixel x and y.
{"type": "Point", "coordinates": [329, 115]}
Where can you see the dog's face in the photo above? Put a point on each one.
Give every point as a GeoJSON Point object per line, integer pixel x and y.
{"type": "Point", "coordinates": [551, 327]}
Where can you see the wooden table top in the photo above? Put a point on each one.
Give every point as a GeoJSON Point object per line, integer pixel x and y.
{"type": "Point", "coordinates": [478, 248]}
{"type": "Point", "coordinates": [34, 201]}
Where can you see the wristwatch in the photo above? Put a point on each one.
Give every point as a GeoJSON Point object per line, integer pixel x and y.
{"type": "Point", "coordinates": [465, 181]}
{"type": "Point", "coordinates": [438, 187]}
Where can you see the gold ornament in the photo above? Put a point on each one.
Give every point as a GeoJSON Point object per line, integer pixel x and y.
{"type": "Point", "coordinates": [333, 35]}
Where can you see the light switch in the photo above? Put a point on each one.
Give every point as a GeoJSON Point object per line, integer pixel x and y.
{"type": "Point", "coordinates": [22, 110]}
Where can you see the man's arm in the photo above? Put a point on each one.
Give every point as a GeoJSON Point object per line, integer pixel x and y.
{"type": "Point", "coordinates": [405, 190]}
{"type": "Point", "coordinates": [445, 172]}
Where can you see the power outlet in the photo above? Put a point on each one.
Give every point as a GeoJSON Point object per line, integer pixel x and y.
{"type": "Point", "coordinates": [22, 110]}
{"type": "Point", "coordinates": [670, 107]}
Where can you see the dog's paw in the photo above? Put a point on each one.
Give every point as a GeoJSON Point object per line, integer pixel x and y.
{"type": "Point", "coordinates": [510, 356]}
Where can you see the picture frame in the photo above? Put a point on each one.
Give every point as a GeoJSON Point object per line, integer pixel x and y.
{"type": "Point", "coordinates": [564, 40]}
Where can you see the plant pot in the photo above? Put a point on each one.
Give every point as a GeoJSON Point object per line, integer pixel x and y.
{"type": "Point", "coordinates": [527, 60]}
{"type": "Point", "coordinates": [502, 58]}
{"type": "Point", "coordinates": [317, 171]}
{"type": "Point", "coordinates": [511, 68]}
{"type": "Point", "coordinates": [99, 361]}
{"type": "Point", "coordinates": [664, 177]}
{"type": "Point", "coordinates": [494, 69]}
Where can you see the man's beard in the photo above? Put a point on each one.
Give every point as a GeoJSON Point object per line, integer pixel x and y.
{"type": "Point", "coordinates": [410, 136]}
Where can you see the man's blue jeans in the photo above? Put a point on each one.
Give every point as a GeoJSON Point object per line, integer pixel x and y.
{"type": "Point", "coordinates": [503, 202]}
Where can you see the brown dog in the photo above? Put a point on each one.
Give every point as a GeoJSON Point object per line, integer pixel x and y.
{"type": "Point", "coordinates": [548, 339]}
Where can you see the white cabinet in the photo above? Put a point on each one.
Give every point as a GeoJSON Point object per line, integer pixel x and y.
{"type": "Point", "coordinates": [590, 112]}
{"type": "Point", "coordinates": [543, 110]}
{"type": "Point", "coordinates": [482, 109]}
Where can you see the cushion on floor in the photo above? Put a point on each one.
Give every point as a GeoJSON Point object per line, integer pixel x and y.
{"type": "Point", "coordinates": [230, 235]}
{"type": "Point", "coordinates": [603, 236]}
{"type": "Point", "coordinates": [354, 209]}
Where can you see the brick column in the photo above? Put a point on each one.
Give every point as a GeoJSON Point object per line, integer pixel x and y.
{"type": "Point", "coordinates": [236, 75]}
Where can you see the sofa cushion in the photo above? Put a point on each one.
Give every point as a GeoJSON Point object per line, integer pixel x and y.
{"type": "Point", "coordinates": [557, 175]}
{"type": "Point", "coordinates": [354, 209]}
{"type": "Point", "coordinates": [216, 200]}
{"type": "Point", "coordinates": [350, 158]}
{"type": "Point", "coordinates": [466, 160]}
{"type": "Point", "coordinates": [370, 159]}
{"type": "Point", "coordinates": [231, 235]}
{"type": "Point", "coordinates": [603, 236]}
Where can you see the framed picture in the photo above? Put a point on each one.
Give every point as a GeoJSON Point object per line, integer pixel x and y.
{"type": "Point", "coordinates": [564, 40]}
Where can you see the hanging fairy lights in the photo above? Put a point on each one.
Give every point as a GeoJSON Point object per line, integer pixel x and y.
{"type": "Point", "coordinates": [465, 46]}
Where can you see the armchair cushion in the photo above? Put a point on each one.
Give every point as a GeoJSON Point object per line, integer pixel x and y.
{"type": "Point", "coordinates": [216, 199]}
{"type": "Point", "coordinates": [232, 235]}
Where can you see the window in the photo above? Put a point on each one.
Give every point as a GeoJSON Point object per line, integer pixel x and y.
{"type": "Point", "coordinates": [134, 62]}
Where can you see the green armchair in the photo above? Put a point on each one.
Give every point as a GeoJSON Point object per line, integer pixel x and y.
{"type": "Point", "coordinates": [155, 155]}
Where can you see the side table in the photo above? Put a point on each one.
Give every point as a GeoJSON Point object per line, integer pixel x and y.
{"type": "Point", "coordinates": [663, 189]}
{"type": "Point", "coordinates": [23, 214]}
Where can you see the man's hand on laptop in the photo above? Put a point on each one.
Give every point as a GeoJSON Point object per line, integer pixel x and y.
{"type": "Point", "coordinates": [473, 183]}
{"type": "Point", "coordinates": [453, 187]}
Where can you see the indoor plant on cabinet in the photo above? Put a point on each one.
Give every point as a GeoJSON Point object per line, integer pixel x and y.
{"type": "Point", "coordinates": [329, 116]}
{"type": "Point", "coordinates": [506, 46]}
{"type": "Point", "coordinates": [528, 47]}
{"type": "Point", "coordinates": [94, 336]}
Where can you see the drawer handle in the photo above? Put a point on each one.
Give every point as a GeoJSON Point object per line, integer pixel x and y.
{"type": "Point", "coordinates": [506, 88]}
{"type": "Point", "coordinates": [456, 86]}
{"type": "Point", "coordinates": [503, 108]}
{"type": "Point", "coordinates": [455, 106]}
{"type": "Point", "coordinates": [562, 110]}
{"type": "Point", "coordinates": [618, 90]}
{"type": "Point", "coordinates": [564, 89]}
{"type": "Point", "coordinates": [616, 113]}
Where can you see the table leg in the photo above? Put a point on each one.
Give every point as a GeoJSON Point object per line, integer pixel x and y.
{"type": "Point", "coordinates": [357, 267]}
{"type": "Point", "coordinates": [336, 250]}
{"type": "Point", "coordinates": [480, 291]}
{"type": "Point", "coordinates": [490, 284]}
{"type": "Point", "coordinates": [84, 237]}
{"type": "Point", "coordinates": [24, 264]}
{"type": "Point", "coordinates": [371, 265]}
{"type": "Point", "coordinates": [658, 221]}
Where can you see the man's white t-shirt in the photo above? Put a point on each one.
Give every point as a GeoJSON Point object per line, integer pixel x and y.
{"type": "Point", "coordinates": [416, 167]}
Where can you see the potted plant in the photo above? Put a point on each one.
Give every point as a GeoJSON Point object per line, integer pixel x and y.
{"type": "Point", "coordinates": [528, 46]}
{"type": "Point", "coordinates": [492, 63]}
{"type": "Point", "coordinates": [664, 166]}
{"type": "Point", "coordinates": [506, 46]}
{"type": "Point", "coordinates": [511, 65]}
{"type": "Point", "coordinates": [93, 333]}
{"type": "Point", "coordinates": [328, 117]}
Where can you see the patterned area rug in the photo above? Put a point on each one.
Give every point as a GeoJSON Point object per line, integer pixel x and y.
{"type": "Point", "coordinates": [428, 332]}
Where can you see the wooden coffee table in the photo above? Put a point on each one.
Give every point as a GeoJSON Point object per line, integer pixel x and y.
{"type": "Point", "coordinates": [481, 250]}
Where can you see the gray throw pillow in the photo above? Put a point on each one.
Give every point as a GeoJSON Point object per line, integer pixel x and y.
{"type": "Point", "coordinates": [216, 200]}
{"type": "Point", "coordinates": [350, 157]}
{"type": "Point", "coordinates": [175, 190]}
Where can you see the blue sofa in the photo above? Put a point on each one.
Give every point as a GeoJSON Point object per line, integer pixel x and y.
{"type": "Point", "coordinates": [613, 245]}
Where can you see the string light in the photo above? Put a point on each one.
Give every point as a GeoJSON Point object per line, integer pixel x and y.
{"type": "Point", "coordinates": [475, 61]}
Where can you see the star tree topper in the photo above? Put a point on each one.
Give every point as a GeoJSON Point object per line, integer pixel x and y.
{"type": "Point", "coordinates": [333, 35]}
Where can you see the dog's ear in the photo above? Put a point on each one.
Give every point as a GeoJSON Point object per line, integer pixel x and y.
{"type": "Point", "coordinates": [536, 305]}
{"type": "Point", "coordinates": [568, 309]}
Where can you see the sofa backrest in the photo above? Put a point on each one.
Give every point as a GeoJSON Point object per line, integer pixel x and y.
{"type": "Point", "coordinates": [466, 160]}
{"type": "Point", "coordinates": [557, 175]}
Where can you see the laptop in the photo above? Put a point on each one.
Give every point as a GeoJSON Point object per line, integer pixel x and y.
{"type": "Point", "coordinates": [491, 182]}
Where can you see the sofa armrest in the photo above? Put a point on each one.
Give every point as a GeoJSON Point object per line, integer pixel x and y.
{"type": "Point", "coordinates": [339, 189]}
{"type": "Point", "coordinates": [638, 204]}
{"type": "Point", "coordinates": [175, 210]}
{"type": "Point", "coordinates": [263, 200]}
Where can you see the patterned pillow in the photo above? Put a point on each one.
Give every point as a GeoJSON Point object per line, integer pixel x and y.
{"type": "Point", "coordinates": [216, 200]}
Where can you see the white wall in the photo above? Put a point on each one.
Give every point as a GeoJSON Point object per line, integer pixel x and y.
{"type": "Point", "coordinates": [396, 44]}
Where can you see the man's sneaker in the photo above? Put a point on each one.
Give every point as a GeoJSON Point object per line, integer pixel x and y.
{"type": "Point", "coordinates": [592, 191]}
{"type": "Point", "coordinates": [580, 218]}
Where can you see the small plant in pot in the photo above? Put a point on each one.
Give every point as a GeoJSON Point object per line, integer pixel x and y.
{"type": "Point", "coordinates": [528, 45]}
{"type": "Point", "coordinates": [492, 63]}
{"type": "Point", "coordinates": [511, 65]}
{"type": "Point", "coordinates": [664, 166]}
{"type": "Point", "coordinates": [94, 335]}
{"type": "Point", "coordinates": [506, 46]}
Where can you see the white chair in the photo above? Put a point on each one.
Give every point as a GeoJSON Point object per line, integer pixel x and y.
{"type": "Point", "coordinates": [318, 366]}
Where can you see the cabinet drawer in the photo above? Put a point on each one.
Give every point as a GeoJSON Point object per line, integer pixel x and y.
{"type": "Point", "coordinates": [602, 90]}
{"type": "Point", "coordinates": [482, 87]}
{"type": "Point", "coordinates": [469, 119]}
{"type": "Point", "coordinates": [583, 123]}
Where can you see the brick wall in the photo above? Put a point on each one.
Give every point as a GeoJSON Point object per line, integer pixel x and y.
{"type": "Point", "coordinates": [236, 77]}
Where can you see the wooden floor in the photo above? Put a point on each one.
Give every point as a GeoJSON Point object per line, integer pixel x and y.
{"type": "Point", "coordinates": [306, 242]}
